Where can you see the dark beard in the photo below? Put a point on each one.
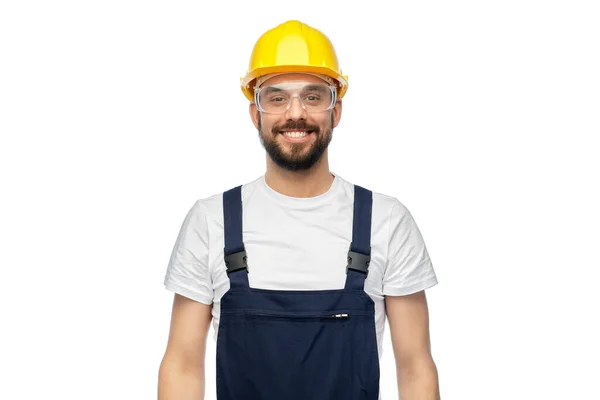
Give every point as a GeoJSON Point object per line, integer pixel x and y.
{"type": "Point", "coordinates": [298, 159]}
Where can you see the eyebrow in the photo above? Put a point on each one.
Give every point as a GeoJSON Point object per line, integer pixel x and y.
{"type": "Point", "coordinates": [318, 88]}
{"type": "Point", "coordinates": [272, 89]}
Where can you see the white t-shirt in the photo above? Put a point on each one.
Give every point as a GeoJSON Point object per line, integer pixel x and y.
{"type": "Point", "coordinates": [299, 244]}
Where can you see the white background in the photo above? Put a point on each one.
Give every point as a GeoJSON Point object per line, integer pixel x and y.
{"type": "Point", "coordinates": [481, 117]}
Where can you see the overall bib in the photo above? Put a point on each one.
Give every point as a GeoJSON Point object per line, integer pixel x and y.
{"type": "Point", "coordinates": [297, 344]}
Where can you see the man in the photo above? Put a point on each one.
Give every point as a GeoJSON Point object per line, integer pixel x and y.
{"type": "Point", "coordinates": [299, 268]}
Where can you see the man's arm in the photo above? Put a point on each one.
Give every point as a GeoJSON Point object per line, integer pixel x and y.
{"type": "Point", "coordinates": [416, 371]}
{"type": "Point", "coordinates": [181, 373]}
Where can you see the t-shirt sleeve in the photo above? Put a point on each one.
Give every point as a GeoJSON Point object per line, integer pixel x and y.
{"type": "Point", "coordinates": [409, 268]}
{"type": "Point", "coordinates": [188, 271]}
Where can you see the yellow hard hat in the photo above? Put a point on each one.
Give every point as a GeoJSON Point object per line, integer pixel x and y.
{"type": "Point", "coordinates": [293, 47]}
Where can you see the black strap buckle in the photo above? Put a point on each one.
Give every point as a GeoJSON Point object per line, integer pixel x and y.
{"type": "Point", "coordinates": [236, 261]}
{"type": "Point", "coordinates": [358, 262]}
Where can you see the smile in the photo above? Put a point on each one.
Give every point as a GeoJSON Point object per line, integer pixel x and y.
{"type": "Point", "coordinates": [296, 136]}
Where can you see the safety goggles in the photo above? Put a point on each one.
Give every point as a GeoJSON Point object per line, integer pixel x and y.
{"type": "Point", "coordinates": [277, 98]}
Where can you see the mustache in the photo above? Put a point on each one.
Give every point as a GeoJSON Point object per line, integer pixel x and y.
{"type": "Point", "coordinates": [295, 125]}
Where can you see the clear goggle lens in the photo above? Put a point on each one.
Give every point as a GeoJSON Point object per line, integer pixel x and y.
{"type": "Point", "coordinates": [277, 98]}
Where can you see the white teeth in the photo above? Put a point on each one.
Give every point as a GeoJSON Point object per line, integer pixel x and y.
{"type": "Point", "coordinates": [296, 134]}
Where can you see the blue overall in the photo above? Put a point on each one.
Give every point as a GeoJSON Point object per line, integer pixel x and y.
{"type": "Point", "coordinates": [297, 344]}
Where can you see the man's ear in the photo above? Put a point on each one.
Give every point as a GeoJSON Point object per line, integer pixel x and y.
{"type": "Point", "coordinates": [337, 112]}
{"type": "Point", "coordinates": [254, 114]}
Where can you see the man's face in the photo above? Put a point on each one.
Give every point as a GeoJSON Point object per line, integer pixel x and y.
{"type": "Point", "coordinates": [281, 134]}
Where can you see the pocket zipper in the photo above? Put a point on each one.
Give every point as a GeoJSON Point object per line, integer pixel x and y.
{"type": "Point", "coordinates": [341, 316]}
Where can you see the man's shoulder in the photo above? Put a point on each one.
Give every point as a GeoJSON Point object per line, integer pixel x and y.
{"type": "Point", "coordinates": [386, 199]}
{"type": "Point", "coordinates": [213, 204]}
{"type": "Point", "coordinates": [381, 200]}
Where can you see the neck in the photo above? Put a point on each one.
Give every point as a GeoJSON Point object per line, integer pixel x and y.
{"type": "Point", "coordinates": [308, 183]}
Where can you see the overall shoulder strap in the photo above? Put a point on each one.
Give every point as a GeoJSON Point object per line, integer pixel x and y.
{"type": "Point", "coordinates": [359, 256]}
{"type": "Point", "coordinates": [234, 251]}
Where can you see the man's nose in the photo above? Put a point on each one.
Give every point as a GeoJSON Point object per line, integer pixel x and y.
{"type": "Point", "coordinates": [295, 110]}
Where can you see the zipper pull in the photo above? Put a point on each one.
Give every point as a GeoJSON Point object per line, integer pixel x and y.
{"type": "Point", "coordinates": [339, 315]}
